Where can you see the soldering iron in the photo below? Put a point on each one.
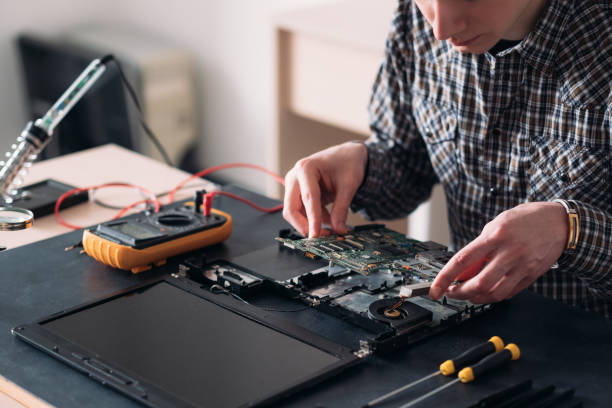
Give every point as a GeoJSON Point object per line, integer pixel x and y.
{"type": "Point", "coordinates": [37, 134]}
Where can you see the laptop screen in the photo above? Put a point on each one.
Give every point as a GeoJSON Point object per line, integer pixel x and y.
{"type": "Point", "coordinates": [191, 347]}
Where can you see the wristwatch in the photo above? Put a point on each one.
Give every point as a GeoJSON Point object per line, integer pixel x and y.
{"type": "Point", "coordinates": [574, 224]}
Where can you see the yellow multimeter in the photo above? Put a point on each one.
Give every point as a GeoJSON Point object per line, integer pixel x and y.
{"type": "Point", "coordinates": [139, 241]}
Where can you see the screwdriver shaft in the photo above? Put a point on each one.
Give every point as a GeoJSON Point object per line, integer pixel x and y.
{"type": "Point", "coordinates": [449, 366]}
{"type": "Point", "coordinates": [399, 390]}
{"type": "Point", "coordinates": [468, 374]}
{"type": "Point", "coordinates": [429, 394]}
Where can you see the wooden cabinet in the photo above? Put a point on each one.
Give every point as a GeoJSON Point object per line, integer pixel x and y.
{"type": "Point", "coordinates": [327, 60]}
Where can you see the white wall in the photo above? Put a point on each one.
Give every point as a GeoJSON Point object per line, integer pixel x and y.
{"type": "Point", "coordinates": [233, 44]}
{"type": "Point", "coordinates": [29, 14]}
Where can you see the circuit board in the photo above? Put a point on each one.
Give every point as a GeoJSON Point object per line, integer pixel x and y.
{"type": "Point", "coordinates": [359, 279]}
{"type": "Point", "coordinates": [371, 248]}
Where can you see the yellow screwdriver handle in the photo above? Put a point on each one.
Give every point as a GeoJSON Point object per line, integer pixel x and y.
{"type": "Point", "coordinates": [509, 353]}
{"type": "Point", "coordinates": [493, 345]}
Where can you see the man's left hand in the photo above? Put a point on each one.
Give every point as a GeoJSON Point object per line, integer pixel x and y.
{"type": "Point", "coordinates": [511, 252]}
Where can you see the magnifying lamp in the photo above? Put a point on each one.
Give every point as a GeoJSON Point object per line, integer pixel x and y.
{"type": "Point", "coordinates": [14, 219]}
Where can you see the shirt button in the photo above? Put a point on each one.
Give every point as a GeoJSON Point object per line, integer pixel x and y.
{"type": "Point", "coordinates": [493, 191]}
{"type": "Point", "coordinates": [497, 132]}
{"type": "Point", "coordinates": [565, 178]}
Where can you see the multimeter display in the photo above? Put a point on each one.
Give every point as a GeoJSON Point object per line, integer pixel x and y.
{"type": "Point", "coordinates": [138, 241]}
{"type": "Point", "coordinates": [131, 232]}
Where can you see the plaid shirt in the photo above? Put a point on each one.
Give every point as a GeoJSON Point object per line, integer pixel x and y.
{"type": "Point", "coordinates": [532, 123]}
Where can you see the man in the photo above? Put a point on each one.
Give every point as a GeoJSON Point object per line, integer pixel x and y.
{"type": "Point", "coordinates": [508, 104]}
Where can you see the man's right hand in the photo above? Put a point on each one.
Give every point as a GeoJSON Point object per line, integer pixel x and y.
{"type": "Point", "coordinates": [333, 176]}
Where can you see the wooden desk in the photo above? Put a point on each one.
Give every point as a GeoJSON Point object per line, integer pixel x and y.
{"type": "Point", "coordinates": [92, 167]}
{"type": "Point", "coordinates": [13, 396]}
{"type": "Point", "coordinates": [327, 60]}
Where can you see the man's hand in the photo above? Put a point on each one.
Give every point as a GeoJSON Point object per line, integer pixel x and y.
{"type": "Point", "coordinates": [331, 175]}
{"type": "Point", "coordinates": [512, 251]}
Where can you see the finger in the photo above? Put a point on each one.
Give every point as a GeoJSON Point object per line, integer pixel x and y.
{"type": "Point", "coordinates": [311, 200]}
{"type": "Point", "coordinates": [483, 283]}
{"type": "Point", "coordinates": [293, 210]}
{"type": "Point", "coordinates": [325, 215]}
{"type": "Point", "coordinates": [325, 228]}
{"type": "Point", "coordinates": [472, 270]}
{"type": "Point", "coordinates": [473, 253]}
{"type": "Point", "coordinates": [340, 211]}
{"type": "Point", "coordinates": [522, 285]}
{"type": "Point", "coordinates": [501, 291]}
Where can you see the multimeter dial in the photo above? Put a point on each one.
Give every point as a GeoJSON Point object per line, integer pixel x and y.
{"type": "Point", "coordinates": [175, 220]}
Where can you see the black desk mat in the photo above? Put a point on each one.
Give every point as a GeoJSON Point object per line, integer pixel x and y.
{"type": "Point", "coordinates": [560, 345]}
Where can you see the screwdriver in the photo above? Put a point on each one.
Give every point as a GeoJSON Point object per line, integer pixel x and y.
{"type": "Point", "coordinates": [472, 355]}
{"type": "Point", "coordinates": [468, 374]}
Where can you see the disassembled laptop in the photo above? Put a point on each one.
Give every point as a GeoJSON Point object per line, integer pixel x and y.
{"type": "Point", "coordinates": [360, 284]}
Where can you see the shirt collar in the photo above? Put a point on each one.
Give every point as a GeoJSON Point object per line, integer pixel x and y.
{"type": "Point", "coordinates": [541, 45]}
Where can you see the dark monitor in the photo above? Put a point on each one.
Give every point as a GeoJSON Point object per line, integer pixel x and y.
{"type": "Point", "coordinates": [49, 67]}
{"type": "Point", "coordinates": [172, 343]}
